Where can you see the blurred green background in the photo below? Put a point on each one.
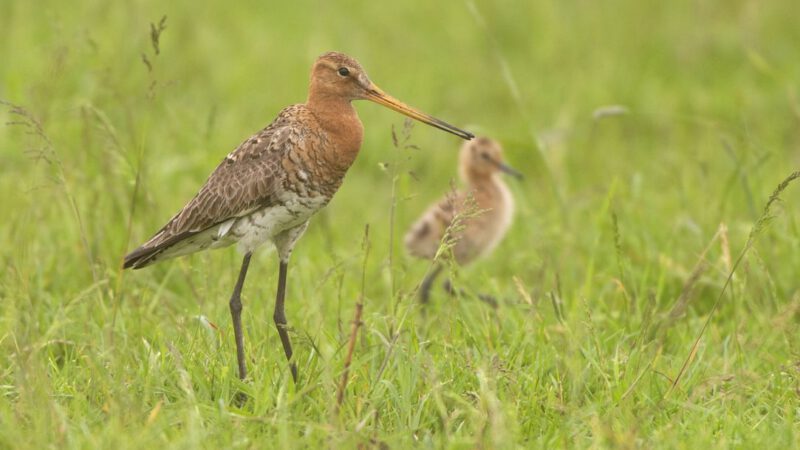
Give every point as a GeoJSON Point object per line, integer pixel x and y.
{"type": "Point", "coordinates": [643, 130]}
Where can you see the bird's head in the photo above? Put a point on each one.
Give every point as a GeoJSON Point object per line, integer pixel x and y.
{"type": "Point", "coordinates": [336, 76]}
{"type": "Point", "coordinates": [483, 157]}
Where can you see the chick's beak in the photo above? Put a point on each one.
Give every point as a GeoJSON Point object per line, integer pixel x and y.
{"type": "Point", "coordinates": [509, 170]}
{"type": "Point", "coordinates": [375, 94]}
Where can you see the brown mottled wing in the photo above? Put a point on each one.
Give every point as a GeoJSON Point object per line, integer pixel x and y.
{"type": "Point", "coordinates": [425, 236]}
{"type": "Point", "coordinates": [247, 179]}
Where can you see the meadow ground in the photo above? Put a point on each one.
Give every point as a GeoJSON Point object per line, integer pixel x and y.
{"type": "Point", "coordinates": [651, 134]}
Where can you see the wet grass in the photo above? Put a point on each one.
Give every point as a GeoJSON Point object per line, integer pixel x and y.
{"type": "Point", "coordinates": [647, 291]}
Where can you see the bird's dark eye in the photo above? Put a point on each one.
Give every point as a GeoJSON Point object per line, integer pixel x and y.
{"type": "Point", "coordinates": [343, 71]}
{"type": "Point", "coordinates": [485, 155]}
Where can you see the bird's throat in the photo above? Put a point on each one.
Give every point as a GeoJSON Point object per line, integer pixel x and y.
{"type": "Point", "coordinates": [343, 128]}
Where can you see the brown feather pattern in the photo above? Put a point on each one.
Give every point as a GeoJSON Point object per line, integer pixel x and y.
{"type": "Point", "coordinates": [256, 175]}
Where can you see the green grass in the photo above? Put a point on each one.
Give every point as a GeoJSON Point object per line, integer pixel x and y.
{"type": "Point", "coordinates": [627, 228]}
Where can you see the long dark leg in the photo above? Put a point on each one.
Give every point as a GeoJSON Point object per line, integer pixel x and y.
{"type": "Point", "coordinates": [236, 314]}
{"type": "Point", "coordinates": [425, 286]}
{"type": "Point", "coordinates": [488, 299]}
{"type": "Point", "coordinates": [448, 287]}
{"type": "Point", "coordinates": [280, 318]}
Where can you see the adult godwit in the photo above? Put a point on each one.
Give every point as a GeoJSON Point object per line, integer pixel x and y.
{"type": "Point", "coordinates": [267, 188]}
{"type": "Point", "coordinates": [485, 210]}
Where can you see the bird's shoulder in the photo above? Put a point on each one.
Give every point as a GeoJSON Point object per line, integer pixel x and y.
{"type": "Point", "coordinates": [294, 127]}
{"type": "Point", "coordinates": [450, 205]}
{"type": "Point", "coordinates": [436, 219]}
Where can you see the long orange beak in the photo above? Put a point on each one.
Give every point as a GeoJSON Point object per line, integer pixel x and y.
{"type": "Point", "coordinates": [375, 94]}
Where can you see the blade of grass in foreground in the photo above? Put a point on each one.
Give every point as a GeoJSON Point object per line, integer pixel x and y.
{"type": "Point", "coordinates": [758, 227]}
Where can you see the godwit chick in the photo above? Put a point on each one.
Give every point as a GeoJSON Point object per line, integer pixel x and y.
{"type": "Point", "coordinates": [267, 188]}
{"type": "Point", "coordinates": [485, 209]}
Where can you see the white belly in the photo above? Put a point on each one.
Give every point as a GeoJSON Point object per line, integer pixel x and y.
{"type": "Point", "coordinates": [263, 225]}
{"type": "Point", "coordinates": [250, 231]}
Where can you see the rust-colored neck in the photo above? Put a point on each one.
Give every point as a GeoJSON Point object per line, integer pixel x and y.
{"type": "Point", "coordinates": [340, 121]}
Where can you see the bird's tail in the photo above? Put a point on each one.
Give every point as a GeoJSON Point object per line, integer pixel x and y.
{"type": "Point", "coordinates": [141, 257]}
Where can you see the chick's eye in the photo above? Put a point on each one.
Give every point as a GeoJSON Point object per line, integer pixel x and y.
{"type": "Point", "coordinates": [343, 71]}
{"type": "Point", "coordinates": [485, 155]}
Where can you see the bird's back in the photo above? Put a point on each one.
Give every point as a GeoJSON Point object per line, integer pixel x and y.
{"type": "Point", "coordinates": [474, 220]}
{"type": "Point", "coordinates": [262, 187]}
